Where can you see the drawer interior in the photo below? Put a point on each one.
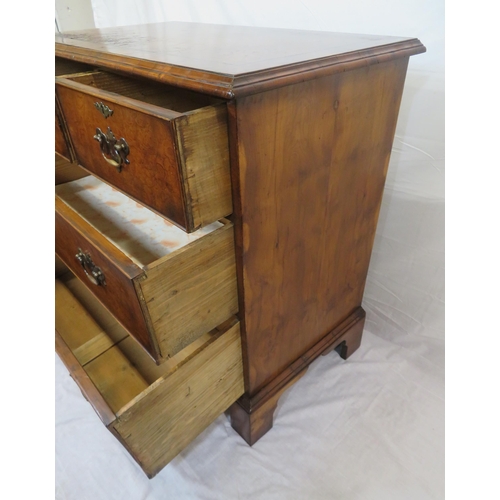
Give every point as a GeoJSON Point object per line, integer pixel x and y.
{"type": "Point", "coordinates": [66, 171]}
{"type": "Point", "coordinates": [155, 411]}
{"type": "Point", "coordinates": [113, 361]}
{"type": "Point", "coordinates": [162, 95]}
{"type": "Point", "coordinates": [138, 232]}
{"type": "Point", "coordinates": [68, 66]}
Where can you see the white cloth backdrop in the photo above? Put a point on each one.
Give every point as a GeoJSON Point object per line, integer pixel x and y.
{"type": "Point", "coordinates": [371, 427]}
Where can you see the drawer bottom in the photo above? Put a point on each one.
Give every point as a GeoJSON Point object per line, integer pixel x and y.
{"type": "Point", "coordinates": [155, 411]}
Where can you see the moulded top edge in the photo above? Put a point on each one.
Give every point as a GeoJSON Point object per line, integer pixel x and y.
{"type": "Point", "coordinates": [220, 59]}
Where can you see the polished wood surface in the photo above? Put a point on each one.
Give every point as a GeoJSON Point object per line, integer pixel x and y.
{"type": "Point", "coordinates": [119, 295]}
{"type": "Point", "coordinates": [253, 416]}
{"type": "Point", "coordinates": [151, 142]}
{"type": "Point", "coordinates": [348, 333]}
{"type": "Point", "coordinates": [253, 422]}
{"type": "Point", "coordinates": [311, 160]}
{"type": "Point", "coordinates": [228, 60]}
{"type": "Point", "coordinates": [178, 160]}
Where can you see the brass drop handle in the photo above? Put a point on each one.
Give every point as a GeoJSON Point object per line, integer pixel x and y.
{"type": "Point", "coordinates": [112, 147]}
{"type": "Point", "coordinates": [93, 273]}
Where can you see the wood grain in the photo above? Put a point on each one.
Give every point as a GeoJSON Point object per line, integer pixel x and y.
{"type": "Point", "coordinates": [163, 420]}
{"type": "Point", "coordinates": [165, 305]}
{"type": "Point", "coordinates": [72, 233]}
{"type": "Point", "coordinates": [146, 91]}
{"type": "Point", "coordinates": [251, 424]}
{"type": "Point", "coordinates": [312, 160]}
{"type": "Point", "coordinates": [110, 371]}
{"type": "Point", "coordinates": [179, 171]}
{"type": "Point", "coordinates": [63, 145]}
{"type": "Point", "coordinates": [80, 376]}
{"type": "Point", "coordinates": [86, 339]}
{"type": "Point", "coordinates": [311, 118]}
{"type": "Point", "coordinates": [159, 410]}
{"type": "Point", "coordinates": [116, 378]}
{"type": "Point", "coordinates": [112, 374]}
{"type": "Point", "coordinates": [69, 311]}
{"type": "Point", "coordinates": [100, 314]}
{"type": "Point", "coordinates": [191, 290]}
{"type": "Point", "coordinates": [252, 416]}
{"type": "Point", "coordinates": [229, 61]}
{"type": "Point", "coordinates": [152, 176]}
{"type": "Point", "coordinates": [66, 171]}
{"type": "Point", "coordinates": [202, 143]}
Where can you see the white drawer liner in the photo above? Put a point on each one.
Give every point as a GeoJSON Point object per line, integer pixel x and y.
{"type": "Point", "coordinates": [138, 232]}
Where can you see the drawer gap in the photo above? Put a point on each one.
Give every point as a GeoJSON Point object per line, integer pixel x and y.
{"type": "Point", "coordinates": [160, 95]}
{"type": "Point", "coordinates": [68, 67]}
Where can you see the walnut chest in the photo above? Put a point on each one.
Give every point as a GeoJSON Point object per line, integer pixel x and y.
{"type": "Point", "coordinates": [217, 196]}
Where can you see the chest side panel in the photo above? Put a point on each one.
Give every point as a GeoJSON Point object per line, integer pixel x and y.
{"type": "Point", "coordinates": [312, 160]}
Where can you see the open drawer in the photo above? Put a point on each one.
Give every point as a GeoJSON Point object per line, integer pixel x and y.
{"type": "Point", "coordinates": [63, 144]}
{"type": "Point", "coordinates": [155, 411]}
{"type": "Point", "coordinates": [165, 147]}
{"type": "Point", "coordinates": [66, 171]}
{"type": "Point", "coordinates": [166, 287]}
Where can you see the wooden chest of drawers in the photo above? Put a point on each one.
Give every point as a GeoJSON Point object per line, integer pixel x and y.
{"type": "Point", "coordinates": [217, 196]}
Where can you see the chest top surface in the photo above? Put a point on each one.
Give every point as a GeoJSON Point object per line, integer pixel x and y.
{"type": "Point", "coordinates": [225, 58]}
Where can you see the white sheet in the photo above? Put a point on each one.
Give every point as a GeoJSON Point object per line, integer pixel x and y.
{"type": "Point", "coordinates": [371, 427]}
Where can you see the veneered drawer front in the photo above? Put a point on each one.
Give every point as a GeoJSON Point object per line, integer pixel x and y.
{"type": "Point", "coordinates": [166, 287]}
{"type": "Point", "coordinates": [176, 163]}
{"type": "Point", "coordinates": [116, 287]}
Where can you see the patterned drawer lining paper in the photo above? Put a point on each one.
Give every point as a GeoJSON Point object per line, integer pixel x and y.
{"type": "Point", "coordinates": [139, 233]}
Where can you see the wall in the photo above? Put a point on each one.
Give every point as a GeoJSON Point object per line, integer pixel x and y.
{"type": "Point", "coordinates": [74, 15]}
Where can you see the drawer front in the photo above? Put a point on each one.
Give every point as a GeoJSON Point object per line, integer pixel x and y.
{"type": "Point", "coordinates": [166, 299]}
{"type": "Point", "coordinates": [114, 286]}
{"type": "Point", "coordinates": [176, 164]}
